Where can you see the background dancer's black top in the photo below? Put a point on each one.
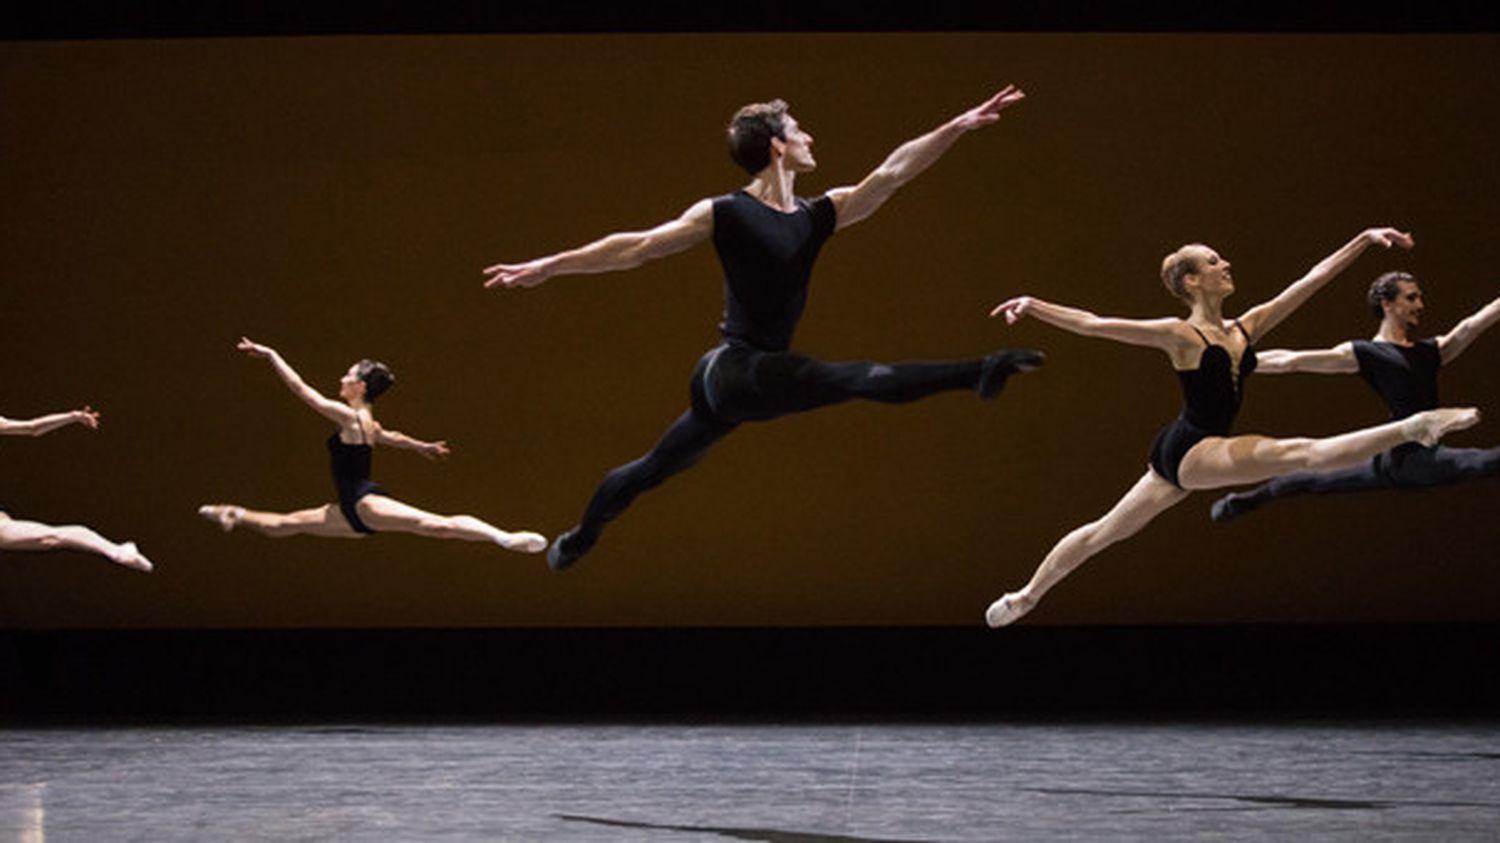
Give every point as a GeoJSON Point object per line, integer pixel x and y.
{"type": "Point", "coordinates": [767, 256]}
{"type": "Point", "coordinates": [1404, 376]}
{"type": "Point", "coordinates": [351, 477]}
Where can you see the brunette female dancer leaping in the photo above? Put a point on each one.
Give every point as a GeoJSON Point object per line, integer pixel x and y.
{"type": "Point", "coordinates": [363, 506]}
{"type": "Point", "coordinates": [16, 534]}
{"type": "Point", "coordinates": [1212, 356]}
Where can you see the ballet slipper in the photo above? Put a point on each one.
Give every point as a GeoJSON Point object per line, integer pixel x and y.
{"type": "Point", "coordinates": [525, 542]}
{"type": "Point", "coordinates": [131, 557]}
{"type": "Point", "coordinates": [1007, 610]}
{"type": "Point", "coordinates": [1430, 426]}
{"type": "Point", "coordinates": [223, 515]}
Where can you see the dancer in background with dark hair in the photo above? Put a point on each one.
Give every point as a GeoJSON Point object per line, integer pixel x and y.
{"type": "Point", "coordinates": [363, 506]}
{"type": "Point", "coordinates": [16, 534]}
{"type": "Point", "coordinates": [767, 238]}
{"type": "Point", "coordinates": [1403, 371]}
{"type": "Point", "coordinates": [1213, 356]}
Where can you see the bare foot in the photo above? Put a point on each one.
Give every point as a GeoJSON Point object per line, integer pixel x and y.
{"type": "Point", "coordinates": [131, 557]}
{"type": "Point", "coordinates": [1007, 610]}
{"type": "Point", "coordinates": [222, 514]}
{"type": "Point", "coordinates": [525, 542]}
{"type": "Point", "coordinates": [1430, 426]}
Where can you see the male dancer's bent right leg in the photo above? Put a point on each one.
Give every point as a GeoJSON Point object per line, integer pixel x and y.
{"type": "Point", "coordinates": [681, 446]}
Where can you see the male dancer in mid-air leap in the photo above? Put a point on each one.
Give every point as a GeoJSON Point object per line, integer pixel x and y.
{"type": "Point", "coordinates": [1402, 370]}
{"type": "Point", "coordinates": [767, 239]}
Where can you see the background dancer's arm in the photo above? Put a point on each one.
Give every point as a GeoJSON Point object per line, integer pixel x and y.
{"type": "Point", "coordinates": [332, 410]}
{"type": "Point", "coordinates": [1162, 333]}
{"type": "Point", "coordinates": [1263, 317]}
{"type": "Point", "coordinates": [1467, 330]}
{"type": "Point", "coordinates": [624, 250]}
{"type": "Point", "coordinates": [1339, 360]}
{"type": "Point", "coordinates": [397, 439]}
{"type": "Point", "coordinates": [852, 204]}
{"type": "Point", "coordinates": [88, 417]}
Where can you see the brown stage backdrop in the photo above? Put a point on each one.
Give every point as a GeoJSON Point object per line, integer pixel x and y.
{"type": "Point", "coordinates": [336, 198]}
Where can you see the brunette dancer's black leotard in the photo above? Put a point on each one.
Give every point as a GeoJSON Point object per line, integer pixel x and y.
{"type": "Point", "coordinates": [1210, 396]}
{"type": "Point", "coordinates": [351, 477]}
{"type": "Point", "coordinates": [1405, 378]}
{"type": "Point", "coordinates": [767, 258]}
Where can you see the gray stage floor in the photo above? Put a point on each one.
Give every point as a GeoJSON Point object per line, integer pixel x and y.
{"type": "Point", "coordinates": [659, 782]}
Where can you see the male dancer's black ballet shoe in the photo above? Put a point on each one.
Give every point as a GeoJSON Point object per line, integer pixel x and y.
{"type": "Point", "coordinates": [566, 549]}
{"type": "Point", "coordinates": [1002, 364]}
{"type": "Point", "coordinates": [1229, 506]}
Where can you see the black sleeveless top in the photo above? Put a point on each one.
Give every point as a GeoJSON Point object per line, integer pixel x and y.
{"type": "Point", "coordinates": [1210, 397]}
{"type": "Point", "coordinates": [351, 477]}
{"type": "Point", "coordinates": [1211, 393]}
{"type": "Point", "coordinates": [1405, 377]}
{"type": "Point", "coordinates": [767, 257]}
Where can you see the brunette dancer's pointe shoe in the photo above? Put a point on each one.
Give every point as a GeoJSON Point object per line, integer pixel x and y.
{"type": "Point", "coordinates": [225, 516]}
{"type": "Point", "coordinates": [525, 542]}
{"type": "Point", "coordinates": [131, 557]}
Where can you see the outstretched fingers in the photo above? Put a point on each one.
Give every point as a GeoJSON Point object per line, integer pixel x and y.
{"type": "Point", "coordinates": [1013, 309]}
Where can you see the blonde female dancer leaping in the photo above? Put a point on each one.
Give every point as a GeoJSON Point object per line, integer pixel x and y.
{"type": "Point", "coordinates": [16, 534]}
{"type": "Point", "coordinates": [1212, 356]}
{"type": "Point", "coordinates": [363, 506]}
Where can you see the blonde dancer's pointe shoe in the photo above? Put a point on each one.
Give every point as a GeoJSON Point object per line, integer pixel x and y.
{"type": "Point", "coordinates": [1007, 610]}
{"type": "Point", "coordinates": [1430, 426]}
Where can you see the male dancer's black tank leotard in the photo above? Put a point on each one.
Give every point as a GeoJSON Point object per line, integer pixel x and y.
{"type": "Point", "coordinates": [351, 477]}
{"type": "Point", "coordinates": [1211, 398]}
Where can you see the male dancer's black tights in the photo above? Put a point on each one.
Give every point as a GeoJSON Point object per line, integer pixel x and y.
{"type": "Point", "coordinates": [1408, 467]}
{"type": "Point", "coordinates": [735, 383]}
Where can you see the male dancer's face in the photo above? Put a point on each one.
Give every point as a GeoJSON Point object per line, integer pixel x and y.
{"type": "Point", "coordinates": [1405, 310]}
{"type": "Point", "coordinates": [796, 149]}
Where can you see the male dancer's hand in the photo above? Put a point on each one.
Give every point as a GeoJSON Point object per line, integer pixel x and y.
{"type": "Point", "coordinates": [1388, 237]}
{"type": "Point", "coordinates": [988, 111]}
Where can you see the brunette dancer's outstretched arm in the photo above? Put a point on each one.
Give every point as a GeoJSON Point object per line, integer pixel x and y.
{"type": "Point", "coordinates": [363, 506]}
{"type": "Point", "coordinates": [17, 534]}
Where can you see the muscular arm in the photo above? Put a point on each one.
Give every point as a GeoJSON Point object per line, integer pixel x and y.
{"type": "Point", "coordinates": [853, 204]}
{"type": "Point", "coordinates": [335, 411]}
{"type": "Point", "coordinates": [40, 425]}
{"type": "Point", "coordinates": [1155, 333]}
{"type": "Point", "coordinates": [1262, 318]}
{"type": "Point", "coordinates": [1467, 330]}
{"type": "Point", "coordinates": [1339, 360]}
{"type": "Point", "coordinates": [623, 250]}
{"type": "Point", "coordinates": [397, 439]}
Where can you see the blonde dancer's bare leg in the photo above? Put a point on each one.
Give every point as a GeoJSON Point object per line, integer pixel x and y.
{"type": "Point", "coordinates": [33, 535]}
{"type": "Point", "coordinates": [325, 520]}
{"type": "Point", "coordinates": [1239, 460]}
{"type": "Point", "coordinates": [383, 513]}
{"type": "Point", "coordinates": [1148, 498]}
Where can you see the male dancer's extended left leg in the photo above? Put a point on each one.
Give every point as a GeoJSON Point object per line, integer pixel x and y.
{"type": "Point", "coordinates": [681, 446]}
{"type": "Point", "coordinates": [772, 384]}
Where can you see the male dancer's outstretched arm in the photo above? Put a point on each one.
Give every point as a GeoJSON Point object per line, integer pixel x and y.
{"type": "Point", "coordinates": [630, 249]}
{"type": "Point", "coordinates": [913, 157]}
{"type": "Point", "coordinates": [1467, 330]}
{"type": "Point", "coordinates": [1341, 360]}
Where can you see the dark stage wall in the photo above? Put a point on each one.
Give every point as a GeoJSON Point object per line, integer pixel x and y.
{"type": "Point", "coordinates": [336, 198]}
